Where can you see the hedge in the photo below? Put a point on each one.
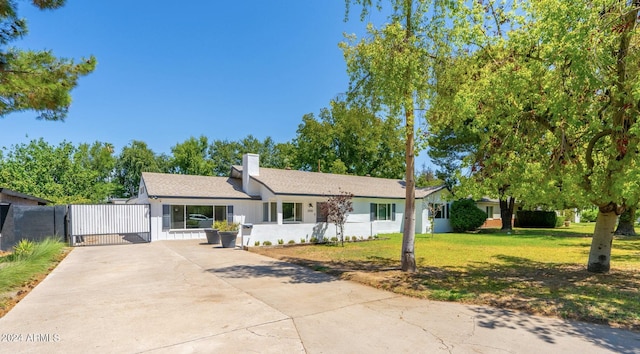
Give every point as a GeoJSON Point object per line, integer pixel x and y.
{"type": "Point", "coordinates": [536, 218]}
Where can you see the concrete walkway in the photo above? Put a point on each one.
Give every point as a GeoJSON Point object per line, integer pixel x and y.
{"type": "Point", "coordinates": [186, 297]}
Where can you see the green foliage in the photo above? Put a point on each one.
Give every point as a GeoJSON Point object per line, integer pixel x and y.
{"type": "Point", "coordinates": [134, 159]}
{"type": "Point", "coordinates": [466, 216]}
{"type": "Point", "coordinates": [313, 239]}
{"type": "Point", "coordinates": [536, 218]}
{"type": "Point", "coordinates": [589, 215]}
{"type": "Point", "coordinates": [354, 238]}
{"type": "Point", "coordinates": [303, 240]}
{"type": "Point", "coordinates": [17, 270]}
{"type": "Point", "coordinates": [333, 239]}
{"type": "Point", "coordinates": [23, 249]}
{"type": "Point", "coordinates": [223, 154]}
{"type": "Point", "coordinates": [348, 139]}
{"type": "Point", "coordinates": [266, 243]}
{"type": "Point", "coordinates": [226, 226]}
{"type": "Point", "coordinates": [257, 243]}
{"type": "Point", "coordinates": [291, 242]}
{"type": "Point", "coordinates": [35, 80]}
{"type": "Point", "coordinates": [280, 241]}
{"type": "Point", "coordinates": [190, 157]}
{"type": "Point", "coordinates": [62, 173]}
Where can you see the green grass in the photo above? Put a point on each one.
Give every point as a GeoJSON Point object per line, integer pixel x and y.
{"type": "Point", "coordinates": [541, 271]}
{"type": "Point", "coordinates": [16, 271]}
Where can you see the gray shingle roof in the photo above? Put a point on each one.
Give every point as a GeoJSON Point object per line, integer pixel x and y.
{"type": "Point", "coordinates": [292, 182]}
{"type": "Point", "coordinates": [174, 185]}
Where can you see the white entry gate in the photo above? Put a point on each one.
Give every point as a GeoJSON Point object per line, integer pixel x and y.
{"type": "Point", "coordinates": [109, 224]}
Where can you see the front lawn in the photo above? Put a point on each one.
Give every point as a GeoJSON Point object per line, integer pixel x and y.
{"type": "Point", "coordinates": [540, 271]}
{"type": "Point", "coordinates": [19, 273]}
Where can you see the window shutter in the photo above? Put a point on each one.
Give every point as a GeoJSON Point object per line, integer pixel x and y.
{"type": "Point", "coordinates": [373, 211]}
{"type": "Point", "coordinates": [166, 216]}
{"type": "Point", "coordinates": [393, 212]}
{"type": "Point", "coordinates": [229, 213]}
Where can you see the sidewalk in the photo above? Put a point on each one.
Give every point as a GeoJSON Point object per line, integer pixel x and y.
{"type": "Point", "coordinates": [184, 297]}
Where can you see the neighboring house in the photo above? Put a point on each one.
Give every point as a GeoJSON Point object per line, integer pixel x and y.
{"type": "Point", "coordinates": [8, 196]}
{"type": "Point", "coordinates": [492, 208]}
{"type": "Point", "coordinates": [275, 204]}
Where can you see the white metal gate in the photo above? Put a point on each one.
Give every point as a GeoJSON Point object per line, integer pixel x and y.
{"type": "Point", "coordinates": [109, 224]}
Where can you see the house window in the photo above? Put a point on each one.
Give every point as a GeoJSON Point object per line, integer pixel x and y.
{"type": "Point", "coordinates": [322, 212]}
{"type": "Point", "coordinates": [489, 211]}
{"type": "Point", "coordinates": [223, 213]}
{"type": "Point", "coordinates": [269, 212]}
{"type": "Point", "coordinates": [439, 210]}
{"type": "Point", "coordinates": [179, 217]}
{"type": "Point", "coordinates": [292, 212]}
{"type": "Point", "coordinates": [383, 211]}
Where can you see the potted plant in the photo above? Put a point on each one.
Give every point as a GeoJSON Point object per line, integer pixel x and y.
{"type": "Point", "coordinates": [228, 234]}
{"type": "Point", "coordinates": [212, 234]}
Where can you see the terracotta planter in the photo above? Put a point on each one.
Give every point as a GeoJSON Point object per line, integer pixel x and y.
{"type": "Point", "coordinates": [228, 238]}
{"type": "Point", "coordinates": [213, 236]}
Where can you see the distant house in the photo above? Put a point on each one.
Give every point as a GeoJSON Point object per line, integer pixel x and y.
{"type": "Point", "coordinates": [8, 196]}
{"type": "Point", "coordinates": [275, 204]}
{"type": "Point", "coordinates": [492, 208]}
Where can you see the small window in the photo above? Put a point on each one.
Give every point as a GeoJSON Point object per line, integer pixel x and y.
{"type": "Point", "coordinates": [292, 212]}
{"type": "Point", "coordinates": [439, 210]}
{"type": "Point", "coordinates": [269, 212]}
{"type": "Point", "coordinates": [385, 211]}
{"type": "Point", "coordinates": [322, 212]}
{"type": "Point", "coordinates": [166, 217]}
{"type": "Point", "coordinates": [489, 211]}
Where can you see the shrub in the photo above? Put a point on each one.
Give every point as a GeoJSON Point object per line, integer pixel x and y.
{"type": "Point", "coordinates": [334, 239]}
{"type": "Point", "coordinates": [23, 249]}
{"type": "Point", "coordinates": [266, 243]}
{"type": "Point", "coordinates": [291, 242]}
{"type": "Point", "coordinates": [354, 238]}
{"type": "Point", "coordinates": [257, 243]}
{"type": "Point", "coordinates": [280, 241]}
{"type": "Point", "coordinates": [466, 216]}
{"type": "Point", "coordinates": [537, 218]}
{"type": "Point", "coordinates": [589, 215]}
{"type": "Point", "coordinates": [560, 221]}
{"type": "Point", "coordinates": [303, 240]}
{"type": "Point", "coordinates": [313, 240]}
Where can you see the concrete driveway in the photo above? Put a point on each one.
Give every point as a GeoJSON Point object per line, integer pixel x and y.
{"type": "Point", "coordinates": [187, 297]}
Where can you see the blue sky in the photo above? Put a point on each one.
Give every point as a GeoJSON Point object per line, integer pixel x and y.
{"type": "Point", "coordinates": [170, 70]}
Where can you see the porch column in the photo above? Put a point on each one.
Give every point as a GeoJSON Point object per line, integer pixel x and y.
{"type": "Point", "coordinates": [279, 209]}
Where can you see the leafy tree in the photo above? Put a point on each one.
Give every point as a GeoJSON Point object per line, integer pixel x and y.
{"type": "Point", "coordinates": [134, 159]}
{"type": "Point", "coordinates": [349, 140]}
{"type": "Point", "coordinates": [565, 75]}
{"type": "Point", "coordinates": [225, 153]}
{"type": "Point", "coordinates": [427, 178]}
{"type": "Point", "coordinates": [390, 70]}
{"type": "Point", "coordinates": [63, 174]}
{"type": "Point", "coordinates": [190, 157]}
{"type": "Point", "coordinates": [466, 216]}
{"type": "Point", "coordinates": [627, 221]}
{"type": "Point", "coordinates": [338, 208]}
{"type": "Point", "coordinates": [35, 80]}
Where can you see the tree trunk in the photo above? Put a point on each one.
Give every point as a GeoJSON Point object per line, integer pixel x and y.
{"type": "Point", "coordinates": [600, 253]}
{"type": "Point", "coordinates": [626, 222]}
{"type": "Point", "coordinates": [408, 257]}
{"type": "Point", "coordinates": [506, 213]}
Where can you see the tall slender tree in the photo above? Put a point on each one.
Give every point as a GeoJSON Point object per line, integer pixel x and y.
{"type": "Point", "coordinates": [390, 70]}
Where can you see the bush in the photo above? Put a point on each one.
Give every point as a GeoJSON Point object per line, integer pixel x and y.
{"type": "Point", "coordinates": [313, 240]}
{"type": "Point", "coordinates": [24, 248]}
{"type": "Point", "coordinates": [257, 243]}
{"type": "Point", "coordinates": [536, 218]}
{"type": "Point", "coordinates": [466, 216]}
{"type": "Point", "coordinates": [560, 221]}
{"type": "Point", "coordinates": [303, 240]}
{"type": "Point", "coordinates": [280, 241]}
{"type": "Point", "coordinates": [354, 238]}
{"type": "Point", "coordinates": [589, 215]}
{"type": "Point", "coordinates": [266, 243]}
{"type": "Point", "coordinates": [291, 242]}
